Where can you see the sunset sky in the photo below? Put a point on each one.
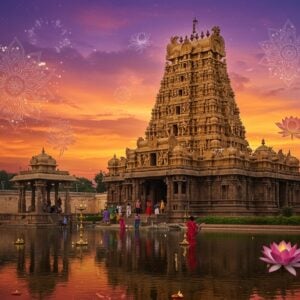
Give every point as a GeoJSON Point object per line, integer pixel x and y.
{"type": "Point", "coordinates": [105, 87]}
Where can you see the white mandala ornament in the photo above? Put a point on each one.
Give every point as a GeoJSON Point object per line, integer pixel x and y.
{"type": "Point", "coordinates": [24, 83]}
{"type": "Point", "coordinates": [61, 136]}
{"type": "Point", "coordinates": [282, 53]}
{"type": "Point", "coordinates": [140, 41]}
{"type": "Point", "coordinates": [49, 34]}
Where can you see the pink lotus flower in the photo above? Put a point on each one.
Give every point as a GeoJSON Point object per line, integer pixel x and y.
{"type": "Point", "coordinates": [290, 126]}
{"type": "Point", "coordinates": [280, 255]}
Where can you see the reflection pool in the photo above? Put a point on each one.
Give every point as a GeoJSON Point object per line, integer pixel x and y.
{"type": "Point", "coordinates": [149, 264]}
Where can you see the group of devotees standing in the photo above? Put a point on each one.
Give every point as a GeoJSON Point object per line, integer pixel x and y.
{"type": "Point", "coordinates": [118, 212]}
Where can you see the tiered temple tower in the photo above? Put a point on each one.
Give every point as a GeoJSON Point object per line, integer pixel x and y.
{"type": "Point", "coordinates": [194, 155]}
{"type": "Point", "coordinates": [195, 102]}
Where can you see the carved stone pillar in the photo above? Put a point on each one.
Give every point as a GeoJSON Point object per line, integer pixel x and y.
{"type": "Point", "coordinates": [119, 191]}
{"type": "Point", "coordinates": [20, 198]}
{"type": "Point", "coordinates": [293, 195]}
{"type": "Point", "coordinates": [67, 199]}
{"type": "Point", "coordinates": [137, 190]}
{"type": "Point", "coordinates": [56, 185]}
{"type": "Point", "coordinates": [144, 193]}
{"type": "Point", "coordinates": [286, 200]}
{"type": "Point", "coordinates": [133, 191]}
{"type": "Point", "coordinates": [125, 192]}
{"type": "Point", "coordinates": [109, 194]}
{"type": "Point", "coordinates": [169, 193]}
{"type": "Point", "coordinates": [41, 202]}
{"type": "Point", "coordinates": [32, 197]}
{"type": "Point", "coordinates": [130, 193]}
{"type": "Point", "coordinates": [179, 187]}
{"type": "Point", "coordinates": [23, 198]}
{"type": "Point", "coordinates": [277, 195]}
{"type": "Point", "coordinates": [48, 189]}
{"type": "Point", "coordinates": [209, 190]}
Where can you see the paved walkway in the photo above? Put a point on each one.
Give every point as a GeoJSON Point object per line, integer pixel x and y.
{"type": "Point", "coordinates": [251, 228]}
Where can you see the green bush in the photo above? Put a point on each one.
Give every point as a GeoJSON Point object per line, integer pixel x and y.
{"type": "Point", "coordinates": [93, 218]}
{"type": "Point", "coordinates": [272, 220]}
{"type": "Point", "coordinates": [287, 211]}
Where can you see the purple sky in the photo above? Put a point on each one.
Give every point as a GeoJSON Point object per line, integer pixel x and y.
{"type": "Point", "coordinates": [106, 25]}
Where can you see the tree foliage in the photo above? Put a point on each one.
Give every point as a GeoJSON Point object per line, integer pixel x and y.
{"type": "Point", "coordinates": [83, 185]}
{"type": "Point", "coordinates": [100, 188]}
{"type": "Point", "coordinates": [5, 184]}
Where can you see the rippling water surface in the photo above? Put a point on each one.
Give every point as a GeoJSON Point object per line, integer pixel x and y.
{"type": "Point", "coordinates": [140, 265]}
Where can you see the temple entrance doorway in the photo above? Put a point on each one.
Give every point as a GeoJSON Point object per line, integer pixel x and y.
{"type": "Point", "coordinates": [154, 190]}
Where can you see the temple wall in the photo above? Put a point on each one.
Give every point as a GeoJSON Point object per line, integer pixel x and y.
{"type": "Point", "coordinates": [94, 202]}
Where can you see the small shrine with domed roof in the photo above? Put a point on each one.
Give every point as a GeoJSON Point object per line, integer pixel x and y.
{"type": "Point", "coordinates": [41, 179]}
{"type": "Point", "coordinates": [195, 155]}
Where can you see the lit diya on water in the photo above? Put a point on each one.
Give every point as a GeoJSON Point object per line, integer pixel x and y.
{"type": "Point", "coordinates": [179, 295]}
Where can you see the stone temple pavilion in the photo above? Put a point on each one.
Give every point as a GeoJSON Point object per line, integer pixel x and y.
{"type": "Point", "coordinates": [195, 155]}
{"type": "Point", "coordinates": [43, 178]}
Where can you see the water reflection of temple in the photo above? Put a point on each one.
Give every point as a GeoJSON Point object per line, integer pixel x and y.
{"type": "Point", "coordinates": [43, 261]}
{"type": "Point", "coordinates": [145, 265]}
{"type": "Point", "coordinates": [218, 267]}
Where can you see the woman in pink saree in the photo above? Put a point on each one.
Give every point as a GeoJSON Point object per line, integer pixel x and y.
{"type": "Point", "coordinates": [192, 229]}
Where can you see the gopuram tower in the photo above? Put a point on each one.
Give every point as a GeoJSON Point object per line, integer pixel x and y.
{"type": "Point", "coordinates": [195, 155]}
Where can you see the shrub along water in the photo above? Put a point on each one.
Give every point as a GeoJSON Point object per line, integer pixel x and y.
{"type": "Point", "coordinates": [93, 218]}
{"type": "Point", "coordinates": [256, 220]}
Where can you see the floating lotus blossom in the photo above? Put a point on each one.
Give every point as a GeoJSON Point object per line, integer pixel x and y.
{"type": "Point", "coordinates": [282, 254]}
{"type": "Point", "coordinates": [290, 126]}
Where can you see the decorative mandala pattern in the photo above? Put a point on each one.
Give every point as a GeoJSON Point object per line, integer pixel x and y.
{"type": "Point", "coordinates": [61, 136]}
{"type": "Point", "coordinates": [24, 83]}
{"type": "Point", "coordinates": [290, 127]}
{"type": "Point", "coordinates": [122, 94]}
{"type": "Point", "coordinates": [140, 41]}
{"type": "Point", "coordinates": [282, 53]}
{"type": "Point", "coordinates": [49, 34]}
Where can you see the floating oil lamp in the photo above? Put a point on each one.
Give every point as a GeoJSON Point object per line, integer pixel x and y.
{"type": "Point", "coordinates": [179, 295]}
